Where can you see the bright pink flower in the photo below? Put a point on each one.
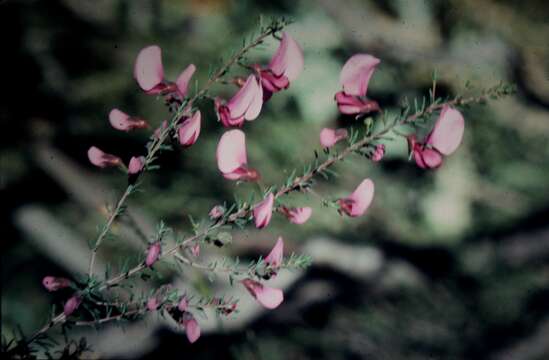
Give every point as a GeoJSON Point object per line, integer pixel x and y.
{"type": "Point", "coordinates": [216, 212]}
{"type": "Point", "coordinates": [274, 259]}
{"type": "Point", "coordinates": [263, 211]}
{"type": "Point", "coordinates": [153, 253]}
{"type": "Point", "coordinates": [266, 296]}
{"type": "Point", "coordinates": [245, 104]}
{"type": "Point", "coordinates": [136, 165]}
{"type": "Point", "coordinates": [379, 152]}
{"type": "Point", "coordinates": [329, 137]}
{"type": "Point", "coordinates": [55, 283]}
{"type": "Point", "coordinates": [285, 67]}
{"type": "Point", "coordinates": [72, 304]}
{"type": "Point", "coordinates": [354, 78]}
{"type": "Point", "coordinates": [101, 159]}
{"type": "Point", "coordinates": [298, 215]}
{"type": "Point", "coordinates": [358, 202]}
{"type": "Point", "coordinates": [152, 304]}
{"type": "Point", "coordinates": [149, 71]}
{"type": "Point", "coordinates": [232, 159]}
{"type": "Point", "coordinates": [122, 121]}
{"type": "Point", "coordinates": [192, 329]}
{"type": "Point", "coordinates": [183, 80]}
{"type": "Point", "coordinates": [183, 304]}
{"type": "Point", "coordinates": [444, 139]}
{"type": "Point", "coordinates": [189, 130]}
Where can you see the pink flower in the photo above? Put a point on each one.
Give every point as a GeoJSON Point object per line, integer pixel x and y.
{"type": "Point", "coordinates": [232, 159]}
{"type": "Point", "coordinates": [358, 202]}
{"type": "Point", "coordinates": [55, 283]}
{"type": "Point", "coordinates": [216, 212]}
{"type": "Point", "coordinates": [263, 211]}
{"type": "Point", "coordinates": [444, 139]}
{"type": "Point", "coordinates": [245, 104]}
{"type": "Point", "coordinates": [149, 73]}
{"type": "Point", "coordinates": [266, 296]}
{"type": "Point", "coordinates": [122, 121]}
{"type": "Point", "coordinates": [274, 259]}
{"type": "Point", "coordinates": [329, 137]}
{"type": "Point", "coordinates": [354, 78]}
{"type": "Point", "coordinates": [183, 304]}
{"type": "Point", "coordinates": [136, 165]}
{"type": "Point", "coordinates": [379, 152]}
{"type": "Point", "coordinates": [153, 253]}
{"type": "Point", "coordinates": [152, 304]}
{"type": "Point", "coordinates": [285, 67]}
{"type": "Point", "coordinates": [183, 80]}
{"type": "Point", "coordinates": [298, 215]}
{"type": "Point", "coordinates": [101, 159]}
{"type": "Point", "coordinates": [72, 304]}
{"type": "Point", "coordinates": [192, 329]}
{"type": "Point", "coordinates": [189, 130]}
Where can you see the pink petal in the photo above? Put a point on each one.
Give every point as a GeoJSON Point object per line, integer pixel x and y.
{"type": "Point", "coordinates": [263, 211]}
{"type": "Point", "coordinates": [192, 329]}
{"type": "Point", "coordinates": [189, 130]}
{"type": "Point", "coordinates": [72, 304]}
{"type": "Point", "coordinates": [119, 120]}
{"type": "Point", "coordinates": [379, 152]}
{"type": "Point", "coordinates": [329, 137]}
{"type": "Point", "coordinates": [255, 106]}
{"type": "Point", "coordinates": [136, 165]}
{"type": "Point", "coordinates": [152, 304]}
{"type": "Point", "coordinates": [288, 59]}
{"type": "Point", "coordinates": [183, 80]}
{"type": "Point", "coordinates": [152, 254]}
{"type": "Point", "coordinates": [266, 296]}
{"type": "Point", "coordinates": [101, 159]}
{"type": "Point", "coordinates": [148, 69]}
{"type": "Point", "coordinates": [242, 101]}
{"type": "Point", "coordinates": [299, 215]}
{"type": "Point", "coordinates": [431, 158]}
{"type": "Point", "coordinates": [448, 131]}
{"type": "Point", "coordinates": [231, 151]}
{"type": "Point", "coordinates": [55, 283]}
{"type": "Point", "coordinates": [216, 212]}
{"type": "Point", "coordinates": [358, 202]}
{"type": "Point", "coordinates": [183, 304]}
{"type": "Point", "coordinates": [356, 74]}
{"type": "Point", "coordinates": [274, 259]}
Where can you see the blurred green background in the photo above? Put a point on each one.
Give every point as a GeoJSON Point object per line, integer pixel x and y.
{"type": "Point", "coordinates": [450, 264]}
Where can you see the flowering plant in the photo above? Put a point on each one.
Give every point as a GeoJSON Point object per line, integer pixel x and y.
{"type": "Point", "coordinates": [92, 299]}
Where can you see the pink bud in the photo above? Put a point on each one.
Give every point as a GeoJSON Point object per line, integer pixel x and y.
{"type": "Point", "coordinates": [274, 259]}
{"type": "Point", "coordinates": [153, 253]}
{"type": "Point", "coordinates": [329, 137]}
{"type": "Point", "coordinates": [216, 212]}
{"type": "Point", "coordinates": [245, 104]}
{"type": "Point", "coordinates": [183, 80]}
{"type": "Point", "coordinates": [232, 159]}
{"type": "Point", "coordinates": [195, 250]}
{"type": "Point", "coordinates": [148, 69]}
{"type": "Point", "coordinates": [159, 130]}
{"type": "Point", "coordinates": [358, 202]}
{"type": "Point", "coordinates": [136, 165]}
{"type": "Point", "coordinates": [152, 304]}
{"type": "Point", "coordinates": [448, 131]}
{"type": "Point", "coordinates": [379, 152]}
{"type": "Point", "coordinates": [269, 297]}
{"type": "Point", "coordinates": [189, 130]}
{"type": "Point", "coordinates": [263, 211]}
{"type": "Point", "coordinates": [192, 329]}
{"type": "Point", "coordinates": [298, 215]}
{"type": "Point", "coordinates": [351, 104]}
{"type": "Point", "coordinates": [183, 304]}
{"type": "Point", "coordinates": [101, 159]}
{"type": "Point", "coordinates": [55, 283]}
{"type": "Point", "coordinates": [356, 74]}
{"type": "Point", "coordinates": [71, 305]}
{"type": "Point", "coordinates": [122, 121]}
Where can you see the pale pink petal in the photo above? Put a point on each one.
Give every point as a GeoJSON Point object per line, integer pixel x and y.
{"type": "Point", "coordinates": [152, 304]}
{"type": "Point", "coordinates": [266, 296]}
{"type": "Point", "coordinates": [358, 202]}
{"type": "Point", "coordinates": [448, 131]}
{"type": "Point", "coordinates": [263, 211]}
{"type": "Point", "coordinates": [183, 80]}
{"type": "Point", "coordinates": [379, 152]}
{"type": "Point", "coordinates": [329, 137]}
{"type": "Point", "coordinates": [148, 69]}
{"type": "Point", "coordinates": [192, 329]}
{"type": "Point", "coordinates": [101, 159]}
{"type": "Point", "coordinates": [136, 165]}
{"type": "Point", "coordinates": [152, 254]}
{"type": "Point", "coordinates": [119, 120]}
{"type": "Point", "coordinates": [356, 74]}
{"type": "Point", "coordinates": [274, 259]}
{"type": "Point", "coordinates": [183, 304]}
{"type": "Point", "coordinates": [242, 100]}
{"type": "Point", "coordinates": [189, 130]}
{"type": "Point", "coordinates": [288, 59]}
{"type": "Point", "coordinates": [257, 103]}
{"type": "Point", "coordinates": [231, 151]}
{"type": "Point", "coordinates": [299, 215]}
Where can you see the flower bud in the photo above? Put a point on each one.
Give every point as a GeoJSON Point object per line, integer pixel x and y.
{"type": "Point", "coordinates": [55, 283]}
